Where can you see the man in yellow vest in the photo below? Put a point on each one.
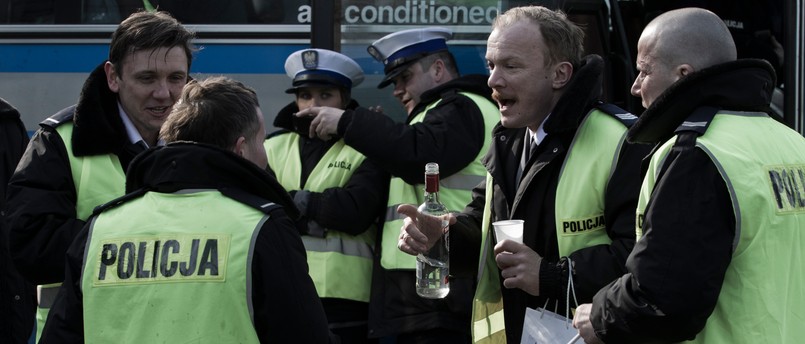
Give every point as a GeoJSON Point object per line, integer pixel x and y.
{"type": "Point", "coordinates": [338, 191]}
{"type": "Point", "coordinates": [449, 121]}
{"type": "Point", "coordinates": [202, 248]}
{"type": "Point", "coordinates": [558, 162]}
{"type": "Point", "coordinates": [77, 158]}
{"type": "Point", "coordinates": [721, 214]}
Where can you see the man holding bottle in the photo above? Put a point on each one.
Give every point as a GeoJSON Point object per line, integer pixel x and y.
{"type": "Point", "coordinates": [449, 118]}
{"type": "Point", "coordinates": [557, 161]}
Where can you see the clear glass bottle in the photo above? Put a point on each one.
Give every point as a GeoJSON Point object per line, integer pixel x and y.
{"type": "Point", "coordinates": [432, 267]}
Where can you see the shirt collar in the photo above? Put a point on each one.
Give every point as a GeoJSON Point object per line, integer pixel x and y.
{"type": "Point", "coordinates": [131, 130]}
{"type": "Point", "coordinates": [540, 134]}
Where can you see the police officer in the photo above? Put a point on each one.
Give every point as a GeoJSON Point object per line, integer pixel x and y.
{"type": "Point", "coordinates": [209, 257]}
{"type": "Point", "coordinates": [558, 161]}
{"type": "Point", "coordinates": [718, 259]}
{"type": "Point", "coordinates": [449, 120]}
{"type": "Point", "coordinates": [337, 190]}
{"type": "Point", "coordinates": [77, 158]}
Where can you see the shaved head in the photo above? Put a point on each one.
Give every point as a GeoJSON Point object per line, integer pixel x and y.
{"type": "Point", "coordinates": [691, 36]}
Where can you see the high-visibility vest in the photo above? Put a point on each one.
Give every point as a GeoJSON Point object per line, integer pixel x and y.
{"type": "Point", "coordinates": [763, 165]}
{"type": "Point", "coordinates": [455, 191]}
{"type": "Point", "coordinates": [579, 213]}
{"type": "Point", "coordinates": [97, 179]}
{"type": "Point", "coordinates": [148, 270]}
{"type": "Point", "coordinates": [338, 254]}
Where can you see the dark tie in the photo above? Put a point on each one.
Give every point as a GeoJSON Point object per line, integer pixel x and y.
{"type": "Point", "coordinates": [528, 149]}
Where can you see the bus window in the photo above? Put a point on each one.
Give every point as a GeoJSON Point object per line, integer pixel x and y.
{"type": "Point", "coordinates": [186, 11]}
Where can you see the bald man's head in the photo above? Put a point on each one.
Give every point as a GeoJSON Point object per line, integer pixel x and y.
{"type": "Point", "coordinates": [676, 44]}
{"type": "Point", "coordinates": [691, 36]}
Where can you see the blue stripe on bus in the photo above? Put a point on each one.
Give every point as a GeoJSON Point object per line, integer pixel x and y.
{"type": "Point", "coordinates": [213, 58]}
{"type": "Point", "coordinates": [82, 58]}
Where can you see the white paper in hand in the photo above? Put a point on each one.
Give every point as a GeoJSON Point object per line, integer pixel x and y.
{"type": "Point", "coordinates": [546, 327]}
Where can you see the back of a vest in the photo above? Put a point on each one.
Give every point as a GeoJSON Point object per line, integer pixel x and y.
{"type": "Point", "coordinates": [763, 165]}
{"type": "Point", "coordinates": [164, 259]}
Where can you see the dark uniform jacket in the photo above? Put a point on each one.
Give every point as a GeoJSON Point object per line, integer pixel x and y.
{"type": "Point", "coordinates": [594, 266]}
{"type": "Point", "coordinates": [41, 193]}
{"type": "Point", "coordinates": [17, 296]}
{"type": "Point", "coordinates": [452, 133]}
{"type": "Point", "coordinates": [349, 209]}
{"type": "Point", "coordinates": [286, 307]}
{"type": "Point", "coordinates": [690, 223]}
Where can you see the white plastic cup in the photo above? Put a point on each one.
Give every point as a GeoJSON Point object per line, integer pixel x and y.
{"type": "Point", "coordinates": [509, 229]}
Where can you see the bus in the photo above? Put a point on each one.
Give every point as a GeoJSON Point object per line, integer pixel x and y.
{"type": "Point", "coordinates": [48, 48]}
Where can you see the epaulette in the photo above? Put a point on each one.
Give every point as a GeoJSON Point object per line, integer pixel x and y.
{"type": "Point", "coordinates": [251, 200]}
{"type": "Point", "coordinates": [627, 118]}
{"type": "Point", "coordinates": [698, 121]}
{"type": "Point", "coordinates": [61, 117]}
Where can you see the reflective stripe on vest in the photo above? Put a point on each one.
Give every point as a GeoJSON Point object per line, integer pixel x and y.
{"type": "Point", "coordinates": [455, 191]}
{"type": "Point", "coordinates": [583, 179]}
{"type": "Point", "coordinates": [338, 254]}
{"type": "Point", "coordinates": [188, 259]}
{"type": "Point", "coordinates": [763, 166]}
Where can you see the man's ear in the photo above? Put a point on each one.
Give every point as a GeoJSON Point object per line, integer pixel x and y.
{"type": "Point", "coordinates": [111, 76]}
{"type": "Point", "coordinates": [240, 146]}
{"type": "Point", "coordinates": [562, 73]}
{"type": "Point", "coordinates": [439, 71]}
{"type": "Point", "coordinates": [684, 70]}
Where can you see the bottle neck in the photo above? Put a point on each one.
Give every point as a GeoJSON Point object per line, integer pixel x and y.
{"type": "Point", "coordinates": [432, 183]}
{"type": "Point", "coordinates": [432, 188]}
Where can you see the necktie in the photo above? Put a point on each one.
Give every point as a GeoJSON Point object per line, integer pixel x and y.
{"type": "Point", "coordinates": [528, 149]}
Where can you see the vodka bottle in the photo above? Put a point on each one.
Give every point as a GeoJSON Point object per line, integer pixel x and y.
{"type": "Point", "coordinates": [432, 267]}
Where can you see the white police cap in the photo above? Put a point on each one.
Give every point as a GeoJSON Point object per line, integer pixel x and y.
{"type": "Point", "coordinates": [399, 49]}
{"type": "Point", "coordinates": [320, 67]}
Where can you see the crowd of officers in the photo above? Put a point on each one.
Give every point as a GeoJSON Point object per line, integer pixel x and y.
{"type": "Point", "coordinates": [156, 209]}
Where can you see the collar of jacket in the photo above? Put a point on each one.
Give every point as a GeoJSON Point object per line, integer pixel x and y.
{"type": "Point", "coordinates": [742, 85]}
{"type": "Point", "coordinates": [472, 83]}
{"type": "Point", "coordinates": [98, 127]}
{"type": "Point", "coordinates": [189, 165]}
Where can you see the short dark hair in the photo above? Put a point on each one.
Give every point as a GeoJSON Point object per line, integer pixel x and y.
{"type": "Point", "coordinates": [149, 30]}
{"type": "Point", "coordinates": [216, 111]}
{"type": "Point", "coordinates": [447, 58]}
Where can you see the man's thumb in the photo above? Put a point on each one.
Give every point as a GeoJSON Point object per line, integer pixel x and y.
{"type": "Point", "coordinates": [409, 210]}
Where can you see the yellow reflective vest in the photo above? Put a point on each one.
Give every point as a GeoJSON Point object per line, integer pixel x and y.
{"type": "Point", "coordinates": [762, 298]}
{"type": "Point", "coordinates": [148, 274]}
{"type": "Point", "coordinates": [337, 254]}
{"type": "Point", "coordinates": [97, 179]}
{"type": "Point", "coordinates": [589, 163]}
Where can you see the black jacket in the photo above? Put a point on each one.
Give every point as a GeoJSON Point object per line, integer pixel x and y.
{"type": "Point", "coordinates": [675, 273]}
{"type": "Point", "coordinates": [286, 309]}
{"type": "Point", "coordinates": [351, 209]}
{"type": "Point", "coordinates": [17, 296]}
{"type": "Point", "coordinates": [595, 266]}
{"type": "Point", "coordinates": [41, 193]}
{"type": "Point", "coordinates": [451, 134]}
